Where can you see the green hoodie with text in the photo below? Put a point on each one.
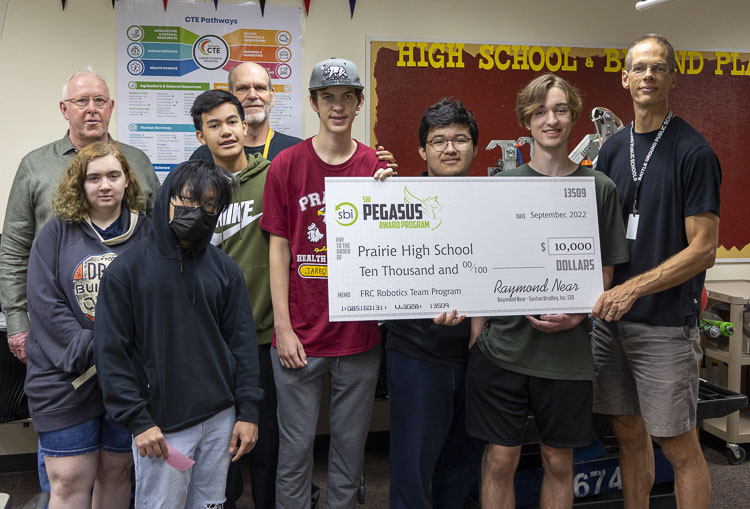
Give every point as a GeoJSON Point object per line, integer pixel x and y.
{"type": "Point", "coordinates": [239, 235]}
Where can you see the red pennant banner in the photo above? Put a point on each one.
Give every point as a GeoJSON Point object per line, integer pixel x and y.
{"type": "Point", "coordinates": [262, 8]}
{"type": "Point", "coordinates": [165, 4]}
{"type": "Point", "coordinates": [352, 3]}
{"type": "Point", "coordinates": [307, 7]}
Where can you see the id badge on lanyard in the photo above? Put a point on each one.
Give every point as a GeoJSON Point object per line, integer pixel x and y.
{"type": "Point", "coordinates": [632, 230]}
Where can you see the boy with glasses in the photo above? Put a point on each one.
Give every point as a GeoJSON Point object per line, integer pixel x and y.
{"type": "Point", "coordinates": [432, 458]}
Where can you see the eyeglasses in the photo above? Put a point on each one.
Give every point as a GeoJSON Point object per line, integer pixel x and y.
{"type": "Point", "coordinates": [440, 144]}
{"type": "Point", "coordinates": [83, 102]}
{"type": "Point", "coordinates": [188, 203]}
{"type": "Point", "coordinates": [657, 68]}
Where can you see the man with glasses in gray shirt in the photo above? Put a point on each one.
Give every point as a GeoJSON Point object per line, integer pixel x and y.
{"type": "Point", "coordinates": [87, 107]}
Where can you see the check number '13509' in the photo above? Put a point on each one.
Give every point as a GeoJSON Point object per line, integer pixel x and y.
{"type": "Point", "coordinates": [574, 192]}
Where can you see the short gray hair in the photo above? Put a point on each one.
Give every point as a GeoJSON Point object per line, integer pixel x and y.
{"type": "Point", "coordinates": [671, 59]}
{"type": "Point", "coordinates": [86, 70]}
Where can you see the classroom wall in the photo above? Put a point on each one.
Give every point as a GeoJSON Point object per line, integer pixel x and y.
{"type": "Point", "coordinates": [41, 44]}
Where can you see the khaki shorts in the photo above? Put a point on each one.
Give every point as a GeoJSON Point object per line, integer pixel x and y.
{"type": "Point", "coordinates": [641, 369]}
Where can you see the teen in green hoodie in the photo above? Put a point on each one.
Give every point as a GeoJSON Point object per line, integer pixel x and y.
{"type": "Point", "coordinates": [219, 121]}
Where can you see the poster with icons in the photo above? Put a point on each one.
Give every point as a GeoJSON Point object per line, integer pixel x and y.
{"type": "Point", "coordinates": [165, 59]}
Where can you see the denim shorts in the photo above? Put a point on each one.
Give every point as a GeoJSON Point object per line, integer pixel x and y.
{"type": "Point", "coordinates": [88, 436]}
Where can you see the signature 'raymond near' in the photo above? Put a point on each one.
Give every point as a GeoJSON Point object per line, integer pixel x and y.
{"type": "Point", "coordinates": [557, 286]}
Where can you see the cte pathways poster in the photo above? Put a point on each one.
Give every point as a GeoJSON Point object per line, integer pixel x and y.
{"type": "Point", "coordinates": [167, 58]}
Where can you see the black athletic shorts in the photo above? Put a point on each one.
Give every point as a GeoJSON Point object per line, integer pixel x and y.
{"type": "Point", "coordinates": [498, 402]}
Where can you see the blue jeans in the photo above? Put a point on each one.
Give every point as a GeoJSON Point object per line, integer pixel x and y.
{"type": "Point", "coordinates": [42, 470]}
{"type": "Point", "coordinates": [88, 436]}
{"type": "Point", "coordinates": [431, 455]}
{"type": "Point", "coordinates": [158, 485]}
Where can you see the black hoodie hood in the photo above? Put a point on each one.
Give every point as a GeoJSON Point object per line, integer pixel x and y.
{"type": "Point", "coordinates": [176, 340]}
{"type": "Point", "coordinates": [166, 242]}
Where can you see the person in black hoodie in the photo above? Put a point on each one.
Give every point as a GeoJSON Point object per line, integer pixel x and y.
{"type": "Point", "coordinates": [176, 346]}
{"type": "Point", "coordinates": [432, 458]}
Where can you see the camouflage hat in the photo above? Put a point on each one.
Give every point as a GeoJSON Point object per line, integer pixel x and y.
{"type": "Point", "coordinates": [335, 72]}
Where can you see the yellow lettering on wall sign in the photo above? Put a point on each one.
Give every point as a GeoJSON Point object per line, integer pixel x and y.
{"type": "Point", "coordinates": [722, 58]}
{"type": "Point", "coordinates": [695, 56]}
{"type": "Point", "coordinates": [553, 51]}
{"type": "Point", "coordinates": [692, 56]}
{"type": "Point", "coordinates": [422, 54]}
{"type": "Point", "coordinates": [536, 51]}
{"type": "Point", "coordinates": [485, 56]}
{"type": "Point", "coordinates": [737, 69]}
{"type": "Point", "coordinates": [405, 54]}
{"type": "Point", "coordinates": [613, 60]}
{"type": "Point", "coordinates": [504, 48]}
{"type": "Point", "coordinates": [680, 57]}
{"type": "Point", "coordinates": [520, 58]}
{"type": "Point", "coordinates": [566, 62]}
{"type": "Point", "coordinates": [455, 51]}
{"type": "Point", "coordinates": [434, 55]}
{"type": "Point", "coordinates": [439, 61]}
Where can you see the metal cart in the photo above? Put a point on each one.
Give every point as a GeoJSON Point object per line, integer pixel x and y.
{"type": "Point", "coordinates": [735, 427]}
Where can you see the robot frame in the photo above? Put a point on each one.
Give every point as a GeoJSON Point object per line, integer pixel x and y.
{"type": "Point", "coordinates": [605, 122]}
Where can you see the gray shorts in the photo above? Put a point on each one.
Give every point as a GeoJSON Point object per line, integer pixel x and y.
{"type": "Point", "coordinates": [641, 369]}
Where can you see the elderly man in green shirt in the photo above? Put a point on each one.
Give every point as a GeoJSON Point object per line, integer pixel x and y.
{"type": "Point", "coordinates": [87, 107]}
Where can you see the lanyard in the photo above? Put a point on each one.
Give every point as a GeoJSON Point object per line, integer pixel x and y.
{"type": "Point", "coordinates": [268, 143]}
{"type": "Point", "coordinates": [638, 177]}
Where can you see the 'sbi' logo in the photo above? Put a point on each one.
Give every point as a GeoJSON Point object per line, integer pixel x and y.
{"type": "Point", "coordinates": [346, 214]}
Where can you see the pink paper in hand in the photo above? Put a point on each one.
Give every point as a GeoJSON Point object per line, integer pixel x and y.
{"type": "Point", "coordinates": [178, 460]}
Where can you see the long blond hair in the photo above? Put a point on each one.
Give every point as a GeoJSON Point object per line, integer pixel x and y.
{"type": "Point", "coordinates": [70, 203]}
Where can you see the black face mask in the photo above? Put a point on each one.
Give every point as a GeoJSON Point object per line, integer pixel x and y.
{"type": "Point", "coordinates": [192, 224]}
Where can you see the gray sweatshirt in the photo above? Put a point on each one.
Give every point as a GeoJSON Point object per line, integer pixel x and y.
{"type": "Point", "coordinates": [30, 207]}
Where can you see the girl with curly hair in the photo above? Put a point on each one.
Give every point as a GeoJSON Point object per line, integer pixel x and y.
{"type": "Point", "coordinates": [98, 215]}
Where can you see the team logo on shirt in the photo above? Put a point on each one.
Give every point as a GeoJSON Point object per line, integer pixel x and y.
{"type": "Point", "coordinates": [313, 233]}
{"type": "Point", "coordinates": [86, 278]}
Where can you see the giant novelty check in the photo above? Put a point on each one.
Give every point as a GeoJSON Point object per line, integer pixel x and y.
{"type": "Point", "coordinates": [415, 247]}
